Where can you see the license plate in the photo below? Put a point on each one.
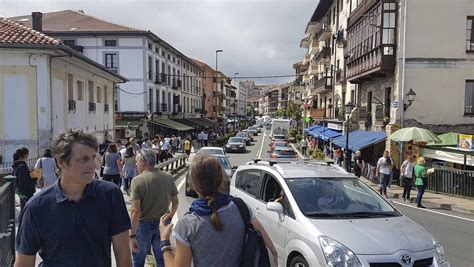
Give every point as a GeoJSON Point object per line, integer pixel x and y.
{"type": "Point", "coordinates": [233, 148]}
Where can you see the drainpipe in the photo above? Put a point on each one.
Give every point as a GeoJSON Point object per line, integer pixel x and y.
{"type": "Point", "coordinates": [401, 92]}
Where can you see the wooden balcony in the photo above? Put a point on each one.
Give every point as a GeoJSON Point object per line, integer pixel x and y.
{"type": "Point", "coordinates": [324, 53]}
{"type": "Point", "coordinates": [322, 85]}
{"type": "Point", "coordinates": [318, 113]}
{"type": "Point", "coordinates": [371, 64]}
{"type": "Point", "coordinates": [360, 11]}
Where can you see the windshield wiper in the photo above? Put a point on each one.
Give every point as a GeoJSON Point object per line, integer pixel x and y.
{"type": "Point", "coordinates": [365, 214]}
{"type": "Point", "coordinates": [323, 214]}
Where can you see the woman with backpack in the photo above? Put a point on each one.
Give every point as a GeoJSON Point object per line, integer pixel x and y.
{"type": "Point", "coordinates": [24, 184]}
{"type": "Point", "coordinates": [212, 232]}
{"type": "Point", "coordinates": [47, 164]}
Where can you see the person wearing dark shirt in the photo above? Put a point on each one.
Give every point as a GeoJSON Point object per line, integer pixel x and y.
{"type": "Point", "coordinates": [75, 221]}
{"type": "Point", "coordinates": [358, 164]}
{"type": "Point", "coordinates": [24, 185]}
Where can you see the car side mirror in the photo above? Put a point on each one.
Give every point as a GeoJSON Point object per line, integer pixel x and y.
{"type": "Point", "coordinates": [275, 206]}
{"type": "Point", "coordinates": [234, 167]}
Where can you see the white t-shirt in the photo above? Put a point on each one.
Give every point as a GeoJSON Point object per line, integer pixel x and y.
{"type": "Point", "coordinates": [383, 166]}
{"type": "Point", "coordinates": [408, 173]}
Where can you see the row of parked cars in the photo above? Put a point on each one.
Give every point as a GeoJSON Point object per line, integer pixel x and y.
{"type": "Point", "coordinates": [242, 139]}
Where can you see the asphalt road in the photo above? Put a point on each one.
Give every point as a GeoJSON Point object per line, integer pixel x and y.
{"type": "Point", "coordinates": [454, 230]}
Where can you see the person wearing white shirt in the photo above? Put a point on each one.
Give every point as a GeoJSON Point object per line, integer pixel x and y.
{"type": "Point", "coordinates": [383, 171]}
{"type": "Point", "coordinates": [407, 170]}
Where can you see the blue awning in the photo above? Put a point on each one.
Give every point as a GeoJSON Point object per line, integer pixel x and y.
{"type": "Point", "coordinates": [360, 139]}
{"type": "Point", "coordinates": [328, 134]}
{"type": "Point", "coordinates": [310, 128]}
{"type": "Point", "coordinates": [317, 130]}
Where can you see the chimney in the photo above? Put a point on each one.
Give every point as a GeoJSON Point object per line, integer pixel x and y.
{"type": "Point", "coordinates": [37, 21]}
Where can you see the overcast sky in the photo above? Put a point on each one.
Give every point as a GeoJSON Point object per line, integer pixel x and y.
{"type": "Point", "coordinates": [259, 37]}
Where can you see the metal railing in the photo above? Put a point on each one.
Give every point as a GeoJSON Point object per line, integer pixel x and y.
{"type": "Point", "coordinates": [451, 181]}
{"type": "Point", "coordinates": [7, 221]}
{"type": "Point", "coordinates": [173, 165]}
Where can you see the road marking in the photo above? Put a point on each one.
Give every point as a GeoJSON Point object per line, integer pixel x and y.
{"type": "Point", "coordinates": [259, 153]}
{"type": "Point", "coordinates": [437, 212]}
{"type": "Point", "coordinates": [297, 151]}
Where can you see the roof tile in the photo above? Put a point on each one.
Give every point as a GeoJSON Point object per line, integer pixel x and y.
{"type": "Point", "coordinates": [75, 21]}
{"type": "Point", "coordinates": [12, 32]}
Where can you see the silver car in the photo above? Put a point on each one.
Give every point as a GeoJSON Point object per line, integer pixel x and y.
{"type": "Point", "coordinates": [317, 214]}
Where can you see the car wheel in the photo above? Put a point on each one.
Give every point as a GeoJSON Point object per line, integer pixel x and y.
{"type": "Point", "coordinates": [299, 261]}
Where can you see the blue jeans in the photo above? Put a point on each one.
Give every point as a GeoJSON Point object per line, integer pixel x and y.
{"type": "Point", "coordinates": [421, 191]}
{"type": "Point", "coordinates": [148, 235]}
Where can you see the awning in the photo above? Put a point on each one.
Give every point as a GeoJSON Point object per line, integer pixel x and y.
{"type": "Point", "coordinates": [207, 123]}
{"type": "Point", "coordinates": [328, 134]}
{"type": "Point", "coordinates": [167, 123]}
{"type": "Point", "coordinates": [187, 122]}
{"type": "Point", "coordinates": [446, 156]}
{"type": "Point", "coordinates": [127, 123]}
{"type": "Point", "coordinates": [310, 128]}
{"type": "Point", "coordinates": [360, 139]}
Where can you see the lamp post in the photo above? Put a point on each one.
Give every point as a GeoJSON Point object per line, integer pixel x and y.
{"type": "Point", "coordinates": [216, 81]}
{"type": "Point", "coordinates": [411, 95]}
{"type": "Point", "coordinates": [347, 162]}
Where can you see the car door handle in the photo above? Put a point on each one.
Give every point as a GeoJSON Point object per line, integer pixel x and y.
{"type": "Point", "coordinates": [257, 211]}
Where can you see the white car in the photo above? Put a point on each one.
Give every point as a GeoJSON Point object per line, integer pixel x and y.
{"type": "Point", "coordinates": [211, 150]}
{"type": "Point", "coordinates": [327, 217]}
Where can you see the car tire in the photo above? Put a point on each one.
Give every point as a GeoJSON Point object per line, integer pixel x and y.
{"type": "Point", "coordinates": [299, 261]}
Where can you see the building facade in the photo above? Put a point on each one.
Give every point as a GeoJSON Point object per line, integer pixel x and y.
{"type": "Point", "coordinates": [46, 87]}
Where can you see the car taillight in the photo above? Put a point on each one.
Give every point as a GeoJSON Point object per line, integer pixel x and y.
{"type": "Point", "coordinates": [274, 156]}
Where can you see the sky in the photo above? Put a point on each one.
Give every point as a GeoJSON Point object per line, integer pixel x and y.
{"type": "Point", "coordinates": [258, 37]}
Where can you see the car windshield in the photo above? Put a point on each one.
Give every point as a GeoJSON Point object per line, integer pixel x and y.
{"type": "Point", "coordinates": [224, 161]}
{"type": "Point", "coordinates": [338, 197]}
{"type": "Point", "coordinates": [279, 137]}
{"type": "Point", "coordinates": [242, 135]}
{"type": "Point", "coordinates": [235, 140]}
{"type": "Point", "coordinates": [285, 152]}
{"type": "Point", "coordinates": [212, 151]}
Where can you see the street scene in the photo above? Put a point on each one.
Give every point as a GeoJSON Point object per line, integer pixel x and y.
{"type": "Point", "coordinates": [237, 133]}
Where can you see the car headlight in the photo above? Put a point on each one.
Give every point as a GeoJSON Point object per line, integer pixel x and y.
{"type": "Point", "coordinates": [227, 145]}
{"type": "Point", "coordinates": [241, 145]}
{"type": "Point", "coordinates": [440, 256]}
{"type": "Point", "coordinates": [337, 254]}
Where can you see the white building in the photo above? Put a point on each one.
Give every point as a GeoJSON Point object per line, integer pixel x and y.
{"type": "Point", "coordinates": [161, 80]}
{"type": "Point", "coordinates": [46, 87]}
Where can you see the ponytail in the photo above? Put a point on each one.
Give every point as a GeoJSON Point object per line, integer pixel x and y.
{"type": "Point", "coordinates": [216, 223]}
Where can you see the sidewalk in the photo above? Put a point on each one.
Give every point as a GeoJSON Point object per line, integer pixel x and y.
{"type": "Point", "coordinates": [430, 200]}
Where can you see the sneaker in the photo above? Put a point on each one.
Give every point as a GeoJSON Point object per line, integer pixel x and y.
{"type": "Point", "coordinates": [421, 206]}
{"type": "Point", "coordinates": [404, 199]}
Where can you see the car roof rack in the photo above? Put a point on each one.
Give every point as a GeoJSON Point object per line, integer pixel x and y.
{"type": "Point", "coordinates": [271, 161]}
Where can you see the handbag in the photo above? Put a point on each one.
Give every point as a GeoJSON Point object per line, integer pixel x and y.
{"type": "Point", "coordinates": [38, 175]}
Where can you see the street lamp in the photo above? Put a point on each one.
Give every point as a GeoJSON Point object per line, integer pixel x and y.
{"type": "Point", "coordinates": [411, 95]}
{"type": "Point", "coordinates": [215, 91]}
{"type": "Point", "coordinates": [349, 107]}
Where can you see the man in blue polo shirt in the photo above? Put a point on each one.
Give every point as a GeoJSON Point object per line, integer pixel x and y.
{"type": "Point", "coordinates": [74, 222]}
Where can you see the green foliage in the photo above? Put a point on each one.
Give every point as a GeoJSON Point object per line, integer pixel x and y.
{"type": "Point", "coordinates": [299, 137]}
{"type": "Point", "coordinates": [318, 154]}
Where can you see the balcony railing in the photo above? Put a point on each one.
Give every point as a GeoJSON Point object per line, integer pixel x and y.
{"type": "Point", "coordinates": [318, 113]}
{"type": "Point", "coordinates": [71, 105]}
{"type": "Point", "coordinates": [323, 84]}
{"type": "Point", "coordinates": [379, 113]}
{"type": "Point", "coordinates": [179, 83]}
{"type": "Point", "coordinates": [325, 32]}
{"type": "Point", "coordinates": [164, 107]}
{"type": "Point", "coordinates": [360, 11]}
{"type": "Point", "coordinates": [157, 78]}
{"type": "Point", "coordinates": [363, 115]}
{"type": "Point", "coordinates": [91, 107]}
{"type": "Point", "coordinates": [324, 53]}
{"type": "Point", "coordinates": [174, 84]}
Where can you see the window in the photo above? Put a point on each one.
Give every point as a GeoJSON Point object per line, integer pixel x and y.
{"type": "Point", "coordinates": [80, 88]}
{"type": "Point", "coordinates": [99, 99]}
{"type": "Point", "coordinates": [157, 68]}
{"type": "Point", "coordinates": [150, 45]}
{"type": "Point", "coordinates": [111, 61]}
{"type": "Point", "coordinates": [162, 53]}
{"type": "Point", "coordinates": [150, 99]}
{"type": "Point", "coordinates": [69, 42]}
{"type": "Point", "coordinates": [90, 88]}
{"type": "Point", "coordinates": [150, 68]}
{"type": "Point", "coordinates": [110, 42]}
{"type": "Point", "coordinates": [70, 87]}
{"type": "Point", "coordinates": [157, 50]}
{"type": "Point", "coordinates": [249, 181]}
{"type": "Point", "coordinates": [470, 34]}
{"type": "Point", "coordinates": [469, 98]}
{"type": "Point", "coordinates": [157, 101]}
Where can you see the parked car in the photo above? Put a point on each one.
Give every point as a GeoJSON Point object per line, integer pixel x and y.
{"type": "Point", "coordinates": [252, 131]}
{"type": "Point", "coordinates": [235, 144]}
{"type": "Point", "coordinates": [229, 170]}
{"type": "Point", "coordinates": [283, 152]}
{"type": "Point", "coordinates": [277, 143]}
{"type": "Point", "coordinates": [212, 150]}
{"type": "Point", "coordinates": [318, 214]}
{"type": "Point", "coordinates": [279, 137]}
{"type": "Point", "coordinates": [244, 136]}
{"type": "Point", "coordinates": [256, 128]}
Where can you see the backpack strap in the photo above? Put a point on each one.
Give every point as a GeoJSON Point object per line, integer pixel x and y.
{"type": "Point", "coordinates": [243, 209]}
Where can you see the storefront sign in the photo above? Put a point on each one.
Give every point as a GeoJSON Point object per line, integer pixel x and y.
{"type": "Point", "coordinates": [466, 141]}
{"type": "Point", "coordinates": [335, 126]}
{"type": "Point", "coordinates": [130, 115]}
